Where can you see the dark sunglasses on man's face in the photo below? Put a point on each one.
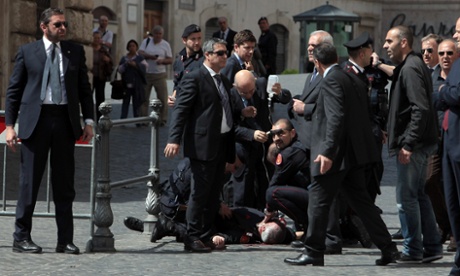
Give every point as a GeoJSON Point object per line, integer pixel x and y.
{"type": "Point", "coordinates": [449, 53]}
{"type": "Point", "coordinates": [59, 24]}
{"type": "Point", "coordinates": [429, 50]}
{"type": "Point", "coordinates": [219, 53]}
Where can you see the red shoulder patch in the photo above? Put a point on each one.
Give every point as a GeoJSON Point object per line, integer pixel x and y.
{"type": "Point", "coordinates": [279, 159]}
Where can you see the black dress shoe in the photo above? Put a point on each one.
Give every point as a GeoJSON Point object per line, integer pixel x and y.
{"type": "Point", "coordinates": [197, 247]}
{"type": "Point", "coordinates": [390, 254]}
{"type": "Point", "coordinates": [26, 246]}
{"type": "Point", "coordinates": [398, 235]}
{"type": "Point", "coordinates": [134, 224]}
{"type": "Point", "coordinates": [297, 244]}
{"type": "Point", "coordinates": [315, 259]}
{"type": "Point", "coordinates": [159, 229]}
{"type": "Point", "coordinates": [69, 248]}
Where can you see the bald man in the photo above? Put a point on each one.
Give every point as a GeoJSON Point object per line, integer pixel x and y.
{"type": "Point", "coordinates": [251, 100]}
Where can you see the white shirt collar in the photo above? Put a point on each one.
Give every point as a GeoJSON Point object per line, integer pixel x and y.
{"type": "Point", "coordinates": [212, 72]}
{"type": "Point", "coordinates": [328, 69]}
{"type": "Point", "coordinates": [48, 43]}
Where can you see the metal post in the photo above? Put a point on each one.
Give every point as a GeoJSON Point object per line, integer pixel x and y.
{"type": "Point", "coordinates": [102, 240]}
{"type": "Point", "coordinates": [152, 206]}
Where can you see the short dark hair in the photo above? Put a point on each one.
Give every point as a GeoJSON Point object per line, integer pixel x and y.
{"type": "Point", "coordinates": [325, 53]}
{"type": "Point", "coordinates": [405, 32]}
{"type": "Point", "coordinates": [287, 122]}
{"type": "Point", "coordinates": [244, 36]}
{"type": "Point", "coordinates": [132, 41]}
{"type": "Point", "coordinates": [262, 18]}
{"type": "Point", "coordinates": [46, 14]}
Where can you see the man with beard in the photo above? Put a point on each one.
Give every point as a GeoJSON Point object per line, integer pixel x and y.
{"type": "Point", "coordinates": [188, 59]}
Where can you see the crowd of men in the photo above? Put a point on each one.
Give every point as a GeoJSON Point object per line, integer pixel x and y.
{"type": "Point", "coordinates": [242, 172]}
{"type": "Point", "coordinates": [322, 166]}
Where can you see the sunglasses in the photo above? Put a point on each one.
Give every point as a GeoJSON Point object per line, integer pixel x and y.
{"type": "Point", "coordinates": [219, 53]}
{"type": "Point", "coordinates": [59, 24]}
{"type": "Point", "coordinates": [449, 53]}
{"type": "Point", "coordinates": [429, 50]}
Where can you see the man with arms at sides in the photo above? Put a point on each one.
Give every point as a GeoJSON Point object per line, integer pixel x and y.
{"type": "Point", "coordinates": [447, 98]}
{"type": "Point", "coordinates": [446, 52]}
{"type": "Point", "coordinates": [413, 137]}
{"type": "Point", "coordinates": [245, 43]}
{"type": "Point", "coordinates": [341, 147]}
{"type": "Point", "coordinates": [267, 46]}
{"type": "Point", "coordinates": [202, 114]}
{"type": "Point", "coordinates": [49, 121]}
{"type": "Point", "coordinates": [301, 111]}
{"type": "Point", "coordinates": [158, 54]}
{"type": "Point", "coordinates": [106, 34]}
{"type": "Point", "coordinates": [225, 33]}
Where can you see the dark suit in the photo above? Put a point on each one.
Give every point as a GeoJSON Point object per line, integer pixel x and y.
{"type": "Point", "coordinates": [229, 39]}
{"type": "Point", "coordinates": [197, 116]}
{"type": "Point", "coordinates": [341, 131]}
{"type": "Point", "coordinates": [232, 67]}
{"type": "Point", "coordinates": [251, 153]}
{"type": "Point", "coordinates": [303, 127]}
{"type": "Point", "coordinates": [46, 127]}
{"type": "Point", "coordinates": [448, 98]}
{"type": "Point", "coordinates": [309, 96]}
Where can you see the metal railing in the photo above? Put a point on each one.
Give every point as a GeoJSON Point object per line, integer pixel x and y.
{"type": "Point", "coordinates": [100, 214]}
{"type": "Point", "coordinates": [102, 239]}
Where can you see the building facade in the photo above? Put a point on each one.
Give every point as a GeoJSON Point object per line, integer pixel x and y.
{"type": "Point", "coordinates": [132, 19]}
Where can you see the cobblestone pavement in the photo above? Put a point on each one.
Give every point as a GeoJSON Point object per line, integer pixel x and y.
{"type": "Point", "coordinates": [135, 255]}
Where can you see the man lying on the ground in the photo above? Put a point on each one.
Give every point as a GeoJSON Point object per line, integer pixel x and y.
{"type": "Point", "coordinates": [233, 225]}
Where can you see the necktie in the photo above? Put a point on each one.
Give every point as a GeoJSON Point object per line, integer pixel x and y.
{"type": "Point", "coordinates": [313, 75]}
{"type": "Point", "coordinates": [245, 102]}
{"type": "Point", "coordinates": [243, 66]}
{"type": "Point", "coordinates": [225, 102]}
{"type": "Point", "coordinates": [222, 35]}
{"type": "Point", "coordinates": [445, 121]}
{"type": "Point", "coordinates": [52, 76]}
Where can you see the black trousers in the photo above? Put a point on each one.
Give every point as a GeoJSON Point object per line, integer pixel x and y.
{"type": "Point", "coordinates": [53, 132]}
{"type": "Point", "coordinates": [204, 200]}
{"type": "Point", "coordinates": [352, 184]}
{"type": "Point", "coordinates": [250, 181]}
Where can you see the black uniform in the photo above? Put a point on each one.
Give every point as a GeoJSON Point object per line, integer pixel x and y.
{"type": "Point", "coordinates": [376, 80]}
{"type": "Point", "coordinates": [287, 191]}
{"type": "Point", "coordinates": [183, 64]}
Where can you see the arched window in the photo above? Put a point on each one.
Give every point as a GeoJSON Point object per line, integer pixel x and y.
{"type": "Point", "coordinates": [281, 52]}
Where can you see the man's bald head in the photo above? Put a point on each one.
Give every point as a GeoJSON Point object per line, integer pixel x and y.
{"type": "Point", "coordinates": [245, 83]}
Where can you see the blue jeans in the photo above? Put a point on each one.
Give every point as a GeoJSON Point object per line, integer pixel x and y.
{"type": "Point", "coordinates": [415, 211]}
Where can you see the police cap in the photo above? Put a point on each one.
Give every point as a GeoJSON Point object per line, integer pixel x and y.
{"type": "Point", "coordinates": [363, 40]}
{"type": "Point", "coordinates": [190, 29]}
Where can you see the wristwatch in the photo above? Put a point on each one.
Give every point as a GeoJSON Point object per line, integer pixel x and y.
{"type": "Point", "coordinates": [378, 63]}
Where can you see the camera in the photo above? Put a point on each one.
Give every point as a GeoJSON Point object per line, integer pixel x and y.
{"type": "Point", "coordinates": [274, 132]}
